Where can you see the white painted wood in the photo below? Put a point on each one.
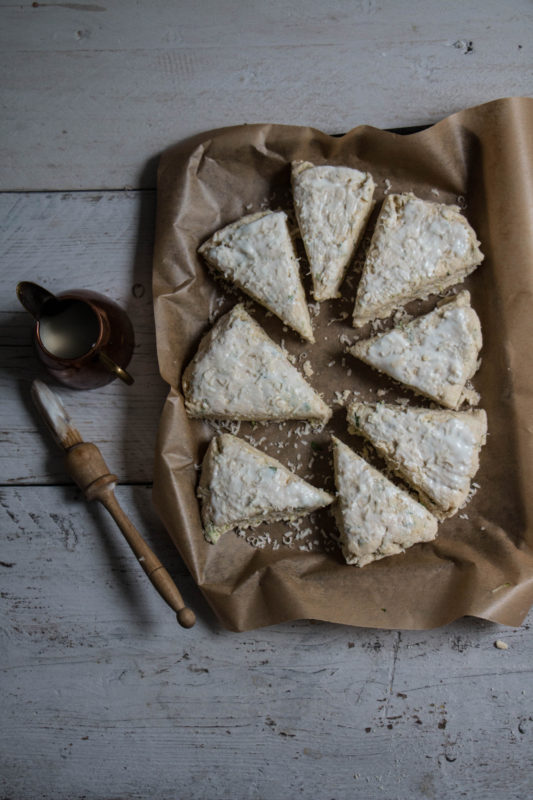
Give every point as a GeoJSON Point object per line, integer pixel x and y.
{"type": "Point", "coordinates": [99, 241]}
{"type": "Point", "coordinates": [104, 696]}
{"type": "Point", "coordinates": [92, 92]}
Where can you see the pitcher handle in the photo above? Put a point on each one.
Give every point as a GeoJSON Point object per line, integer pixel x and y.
{"type": "Point", "coordinates": [110, 365]}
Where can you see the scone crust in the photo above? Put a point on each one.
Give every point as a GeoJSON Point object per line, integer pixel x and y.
{"type": "Point", "coordinates": [240, 486]}
{"type": "Point", "coordinates": [435, 451]}
{"type": "Point", "coordinates": [332, 206]}
{"type": "Point", "coordinates": [376, 519]}
{"type": "Point", "coordinates": [257, 254]}
{"type": "Point", "coordinates": [418, 248]}
{"type": "Point", "coordinates": [239, 373]}
{"type": "Point", "coordinates": [434, 355]}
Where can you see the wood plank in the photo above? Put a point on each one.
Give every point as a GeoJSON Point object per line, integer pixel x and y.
{"type": "Point", "coordinates": [92, 93]}
{"type": "Point", "coordinates": [99, 241]}
{"type": "Point", "coordinates": [104, 696]}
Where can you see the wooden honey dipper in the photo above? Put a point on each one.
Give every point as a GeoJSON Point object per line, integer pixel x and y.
{"type": "Point", "coordinates": [88, 468]}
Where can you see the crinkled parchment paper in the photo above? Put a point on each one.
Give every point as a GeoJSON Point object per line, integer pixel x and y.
{"type": "Point", "coordinates": [481, 564]}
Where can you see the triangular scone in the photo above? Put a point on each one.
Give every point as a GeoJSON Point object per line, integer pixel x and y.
{"type": "Point", "coordinates": [435, 355]}
{"type": "Point", "coordinates": [240, 373]}
{"type": "Point", "coordinates": [256, 253]}
{"type": "Point", "coordinates": [241, 486]}
{"type": "Point", "coordinates": [418, 248]}
{"type": "Point", "coordinates": [376, 519]}
{"type": "Point", "coordinates": [436, 452]}
{"type": "Point", "coordinates": [332, 206]}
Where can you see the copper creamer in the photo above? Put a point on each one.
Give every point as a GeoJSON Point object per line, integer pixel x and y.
{"type": "Point", "coordinates": [84, 339]}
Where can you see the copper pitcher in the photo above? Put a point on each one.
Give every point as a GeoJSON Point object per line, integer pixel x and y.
{"type": "Point", "coordinates": [83, 338]}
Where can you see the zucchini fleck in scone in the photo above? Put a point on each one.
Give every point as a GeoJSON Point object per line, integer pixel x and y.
{"type": "Point", "coordinates": [257, 254]}
{"type": "Point", "coordinates": [239, 373]}
{"type": "Point", "coordinates": [434, 451]}
{"type": "Point", "coordinates": [434, 355]}
{"type": "Point", "coordinates": [240, 487]}
{"type": "Point", "coordinates": [332, 207]}
{"type": "Point", "coordinates": [376, 519]}
{"type": "Point", "coordinates": [418, 248]}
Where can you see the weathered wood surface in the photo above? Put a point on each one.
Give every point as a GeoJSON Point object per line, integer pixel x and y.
{"type": "Point", "coordinates": [91, 92]}
{"type": "Point", "coordinates": [101, 241]}
{"type": "Point", "coordinates": [201, 714]}
{"type": "Point", "coordinates": [104, 696]}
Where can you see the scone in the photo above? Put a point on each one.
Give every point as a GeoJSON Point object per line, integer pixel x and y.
{"type": "Point", "coordinates": [434, 355]}
{"type": "Point", "coordinates": [376, 519]}
{"type": "Point", "coordinates": [332, 207]}
{"type": "Point", "coordinates": [434, 451]}
{"type": "Point", "coordinates": [240, 373]}
{"type": "Point", "coordinates": [418, 248]}
{"type": "Point", "coordinates": [240, 487]}
{"type": "Point", "coordinates": [256, 253]}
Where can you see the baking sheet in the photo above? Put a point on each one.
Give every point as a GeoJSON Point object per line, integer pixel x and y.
{"type": "Point", "coordinates": [481, 563]}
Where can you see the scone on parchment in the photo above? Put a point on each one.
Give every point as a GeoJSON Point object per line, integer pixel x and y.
{"type": "Point", "coordinates": [376, 519]}
{"type": "Point", "coordinates": [418, 248]}
{"type": "Point", "coordinates": [256, 253]}
{"type": "Point", "coordinates": [332, 207]}
{"type": "Point", "coordinates": [434, 355]}
{"type": "Point", "coordinates": [434, 451]}
{"type": "Point", "coordinates": [240, 487]}
{"type": "Point", "coordinates": [239, 373]}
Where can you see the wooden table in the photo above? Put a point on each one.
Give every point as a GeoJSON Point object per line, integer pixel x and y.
{"type": "Point", "coordinates": [103, 696]}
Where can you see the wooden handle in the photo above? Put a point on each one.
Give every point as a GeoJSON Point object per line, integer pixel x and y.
{"type": "Point", "coordinates": [146, 557]}
{"type": "Point", "coordinates": [89, 470]}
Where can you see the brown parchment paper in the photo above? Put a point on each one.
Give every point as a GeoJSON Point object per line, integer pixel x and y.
{"type": "Point", "coordinates": [481, 563]}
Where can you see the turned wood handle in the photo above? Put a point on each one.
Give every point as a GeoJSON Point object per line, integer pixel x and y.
{"type": "Point", "coordinates": [89, 470]}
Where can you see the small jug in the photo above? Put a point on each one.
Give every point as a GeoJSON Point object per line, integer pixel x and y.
{"type": "Point", "coordinates": [84, 339]}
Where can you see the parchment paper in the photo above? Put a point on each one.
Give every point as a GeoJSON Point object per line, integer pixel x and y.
{"type": "Point", "coordinates": [481, 563]}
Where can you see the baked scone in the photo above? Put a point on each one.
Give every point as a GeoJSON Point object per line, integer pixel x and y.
{"type": "Point", "coordinates": [434, 355]}
{"type": "Point", "coordinates": [376, 519]}
{"type": "Point", "coordinates": [240, 487]}
{"type": "Point", "coordinates": [434, 451]}
{"type": "Point", "coordinates": [418, 248]}
{"type": "Point", "coordinates": [257, 254]}
{"type": "Point", "coordinates": [239, 373]}
{"type": "Point", "coordinates": [332, 207]}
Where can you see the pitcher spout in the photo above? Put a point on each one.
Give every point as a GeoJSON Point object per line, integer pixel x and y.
{"type": "Point", "coordinates": [33, 297]}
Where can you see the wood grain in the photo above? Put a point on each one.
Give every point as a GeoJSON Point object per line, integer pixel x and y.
{"type": "Point", "coordinates": [92, 93]}
{"type": "Point", "coordinates": [105, 697]}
